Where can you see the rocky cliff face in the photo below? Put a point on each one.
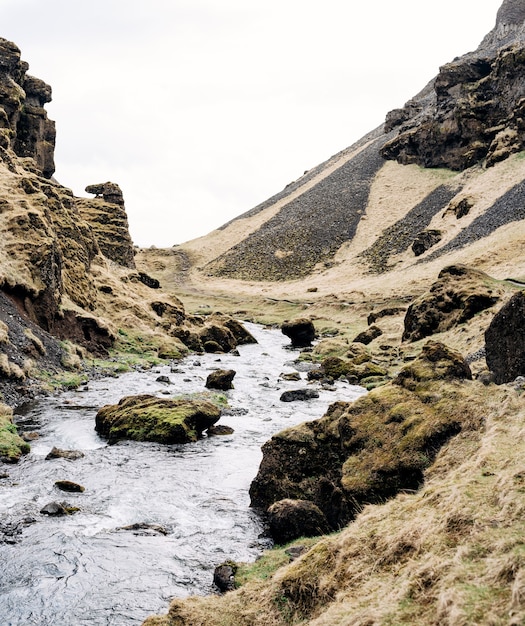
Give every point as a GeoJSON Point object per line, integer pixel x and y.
{"type": "Point", "coordinates": [474, 111]}
{"type": "Point", "coordinates": [24, 125]}
{"type": "Point", "coordinates": [67, 264]}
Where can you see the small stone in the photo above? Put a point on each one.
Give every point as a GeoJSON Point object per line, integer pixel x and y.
{"type": "Point", "coordinates": [57, 453]}
{"type": "Point", "coordinates": [220, 429]}
{"type": "Point", "coordinates": [54, 509]}
{"type": "Point", "coordinates": [68, 485]}
{"type": "Point", "coordinates": [220, 379]}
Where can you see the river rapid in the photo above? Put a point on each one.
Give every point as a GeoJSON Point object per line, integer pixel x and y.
{"type": "Point", "coordinates": [190, 502]}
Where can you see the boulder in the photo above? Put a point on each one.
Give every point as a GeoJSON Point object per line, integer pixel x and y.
{"type": "Point", "coordinates": [290, 519]}
{"type": "Point", "coordinates": [220, 430]}
{"type": "Point", "coordinates": [220, 379]}
{"type": "Point", "coordinates": [426, 240]}
{"type": "Point", "coordinates": [296, 395]}
{"type": "Point", "coordinates": [224, 576]}
{"type": "Point", "coordinates": [58, 509]}
{"type": "Point", "coordinates": [505, 341]}
{"type": "Point", "coordinates": [147, 418]}
{"type": "Point", "coordinates": [368, 335]}
{"type": "Point", "coordinates": [459, 293]}
{"type": "Point", "coordinates": [301, 332]}
{"type": "Point", "coordinates": [57, 453]}
{"type": "Point", "coordinates": [367, 451]}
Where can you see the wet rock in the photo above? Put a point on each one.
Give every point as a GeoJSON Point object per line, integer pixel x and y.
{"type": "Point", "coordinates": [459, 293]}
{"type": "Point", "coordinates": [68, 485]}
{"type": "Point", "coordinates": [220, 379]}
{"type": "Point", "coordinates": [505, 341]}
{"type": "Point", "coordinates": [300, 331]}
{"type": "Point", "coordinates": [290, 376]}
{"type": "Point", "coordinates": [368, 335]}
{"type": "Point", "coordinates": [216, 338]}
{"type": "Point", "coordinates": [296, 395]}
{"type": "Point", "coordinates": [163, 379]}
{"type": "Point", "coordinates": [426, 240]}
{"type": "Point", "coordinates": [289, 519]}
{"type": "Point", "coordinates": [31, 436]}
{"type": "Point", "coordinates": [144, 529]}
{"type": "Point", "coordinates": [55, 509]}
{"type": "Point", "coordinates": [57, 453]}
{"type": "Point", "coordinates": [220, 430]}
{"type": "Point", "coordinates": [148, 418]}
{"type": "Point", "coordinates": [224, 576]}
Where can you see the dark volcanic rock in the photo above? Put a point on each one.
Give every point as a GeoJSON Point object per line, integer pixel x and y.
{"type": "Point", "coordinates": [368, 450]}
{"type": "Point", "coordinates": [290, 519]}
{"type": "Point", "coordinates": [68, 485]}
{"type": "Point", "coordinates": [426, 240]}
{"type": "Point", "coordinates": [24, 125]}
{"type": "Point", "coordinates": [220, 379]}
{"type": "Point", "coordinates": [505, 341]}
{"type": "Point", "coordinates": [301, 332]}
{"type": "Point", "coordinates": [296, 395]}
{"type": "Point", "coordinates": [57, 453]}
{"type": "Point", "coordinates": [458, 294]}
{"type": "Point", "coordinates": [57, 509]}
{"type": "Point", "coordinates": [368, 335]}
{"type": "Point", "coordinates": [458, 121]}
{"type": "Point", "coordinates": [224, 576]}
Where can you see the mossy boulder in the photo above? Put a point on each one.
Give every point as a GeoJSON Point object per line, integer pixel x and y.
{"type": "Point", "coordinates": [369, 450]}
{"type": "Point", "coordinates": [12, 446]}
{"type": "Point", "coordinates": [459, 293]}
{"type": "Point", "coordinates": [148, 418]}
{"type": "Point", "coordinates": [436, 362]}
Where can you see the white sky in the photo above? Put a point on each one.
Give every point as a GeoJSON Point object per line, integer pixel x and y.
{"type": "Point", "coordinates": [201, 109]}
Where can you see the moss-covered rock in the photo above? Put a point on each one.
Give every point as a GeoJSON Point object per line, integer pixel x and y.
{"type": "Point", "coordinates": [371, 449]}
{"type": "Point", "coordinates": [147, 418]}
{"type": "Point", "coordinates": [12, 446]}
{"type": "Point", "coordinates": [459, 293]}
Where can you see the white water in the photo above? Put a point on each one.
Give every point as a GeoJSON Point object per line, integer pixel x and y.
{"type": "Point", "coordinates": [80, 570]}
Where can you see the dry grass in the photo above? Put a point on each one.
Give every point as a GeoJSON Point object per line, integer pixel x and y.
{"type": "Point", "coordinates": [453, 553]}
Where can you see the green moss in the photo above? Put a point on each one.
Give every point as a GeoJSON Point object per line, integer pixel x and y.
{"type": "Point", "coordinates": [147, 418]}
{"type": "Point", "coordinates": [12, 446]}
{"type": "Point", "coordinates": [270, 561]}
{"type": "Point", "coordinates": [61, 380]}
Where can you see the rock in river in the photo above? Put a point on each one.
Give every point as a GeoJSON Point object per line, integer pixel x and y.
{"type": "Point", "coordinates": [299, 394]}
{"type": "Point", "coordinates": [220, 379]}
{"type": "Point", "coordinates": [147, 418]}
{"type": "Point", "coordinates": [301, 332]}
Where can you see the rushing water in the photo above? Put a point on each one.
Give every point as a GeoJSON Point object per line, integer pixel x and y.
{"type": "Point", "coordinates": [84, 568]}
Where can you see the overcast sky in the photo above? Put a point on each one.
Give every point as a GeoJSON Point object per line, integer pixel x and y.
{"type": "Point", "coordinates": [201, 109]}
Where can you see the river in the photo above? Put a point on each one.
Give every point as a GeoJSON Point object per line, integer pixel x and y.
{"type": "Point", "coordinates": [85, 569]}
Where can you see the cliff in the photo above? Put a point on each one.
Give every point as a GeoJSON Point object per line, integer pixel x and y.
{"type": "Point", "coordinates": [69, 287]}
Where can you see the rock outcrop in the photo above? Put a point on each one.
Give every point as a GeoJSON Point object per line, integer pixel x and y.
{"type": "Point", "coordinates": [24, 125]}
{"type": "Point", "coordinates": [368, 450]}
{"type": "Point", "coordinates": [505, 341]}
{"type": "Point", "coordinates": [474, 110]}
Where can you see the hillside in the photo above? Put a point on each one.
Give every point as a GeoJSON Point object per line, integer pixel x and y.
{"type": "Point", "coordinates": [411, 242]}
{"type": "Point", "coordinates": [72, 302]}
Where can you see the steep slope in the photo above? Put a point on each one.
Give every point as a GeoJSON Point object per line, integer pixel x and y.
{"type": "Point", "coordinates": [361, 212]}
{"type": "Point", "coordinates": [69, 286]}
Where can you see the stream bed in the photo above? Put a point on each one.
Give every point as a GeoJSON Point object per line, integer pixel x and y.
{"type": "Point", "coordinates": [186, 506]}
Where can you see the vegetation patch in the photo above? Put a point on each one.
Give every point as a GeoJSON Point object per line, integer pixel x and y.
{"type": "Point", "coordinates": [12, 446]}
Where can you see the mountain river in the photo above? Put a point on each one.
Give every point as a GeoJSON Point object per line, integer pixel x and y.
{"type": "Point", "coordinates": [186, 506]}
